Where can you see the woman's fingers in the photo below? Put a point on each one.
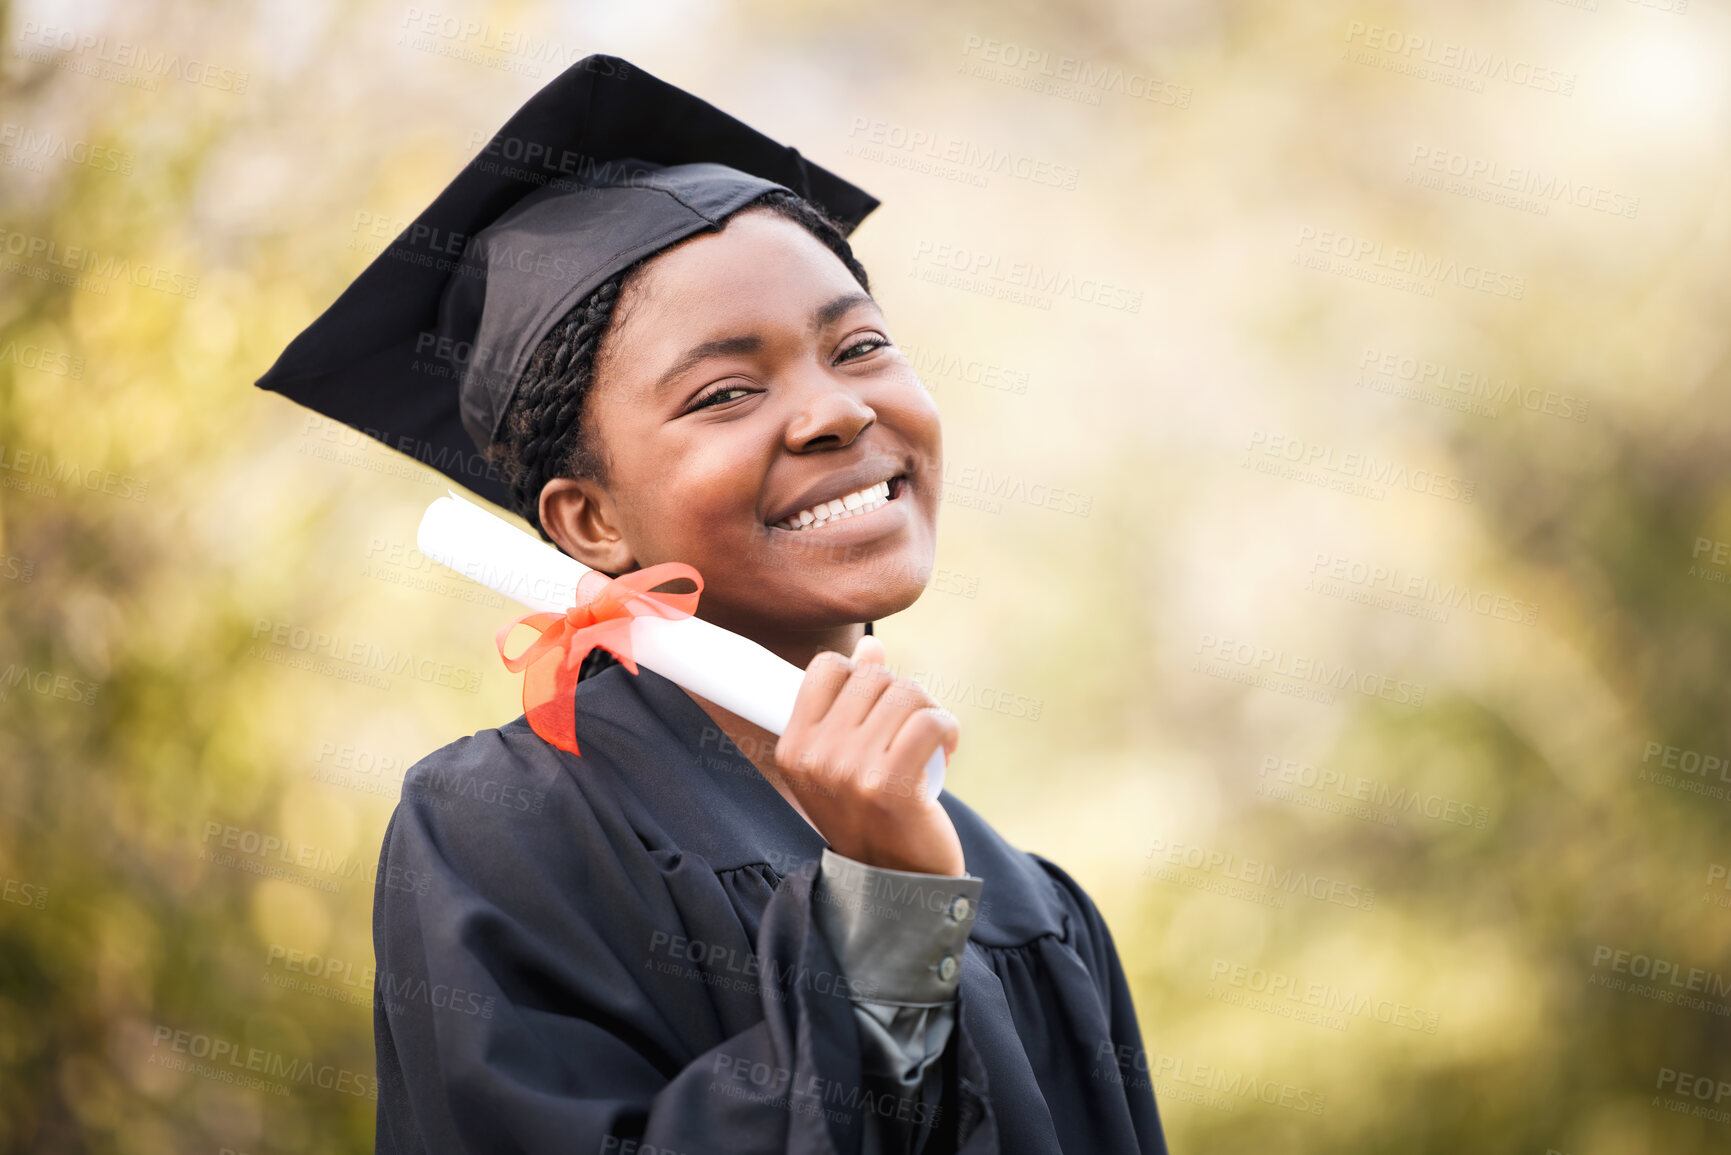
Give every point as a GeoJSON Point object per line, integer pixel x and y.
{"type": "Point", "coordinates": [862, 689]}
{"type": "Point", "coordinates": [899, 699]}
{"type": "Point", "coordinates": [869, 649]}
{"type": "Point", "coordinates": [825, 675]}
{"type": "Point", "coordinates": [855, 749]}
{"type": "Point", "coordinates": [833, 697]}
{"type": "Point", "coordinates": [922, 732]}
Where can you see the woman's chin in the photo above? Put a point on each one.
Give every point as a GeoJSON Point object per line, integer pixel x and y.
{"type": "Point", "coordinates": [834, 606]}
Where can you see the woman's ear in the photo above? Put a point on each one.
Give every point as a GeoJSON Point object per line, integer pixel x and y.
{"type": "Point", "coordinates": [579, 515]}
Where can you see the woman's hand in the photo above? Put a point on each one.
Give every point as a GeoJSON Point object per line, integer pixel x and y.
{"type": "Point", "coordinates": [855, 752]}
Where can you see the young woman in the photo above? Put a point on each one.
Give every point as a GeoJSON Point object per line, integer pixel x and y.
{"type": "Point", "coordinates": [696, 936]}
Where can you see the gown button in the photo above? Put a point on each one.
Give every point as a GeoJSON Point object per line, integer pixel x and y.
{"type": "Point", "coordinates": [947, 969]}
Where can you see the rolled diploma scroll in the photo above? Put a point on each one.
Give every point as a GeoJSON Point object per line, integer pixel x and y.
{"type": "Point", "coordinates": [733, 672]}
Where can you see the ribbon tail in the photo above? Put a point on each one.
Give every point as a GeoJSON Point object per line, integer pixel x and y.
{"type": "Point", "coordinates": [549, 687]}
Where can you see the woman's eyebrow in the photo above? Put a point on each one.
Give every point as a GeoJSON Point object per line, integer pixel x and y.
{"type": "Point", "coordinates": [723, 347]}
{"type": "Point", "coordinates": [826, 315]}
{"type": "Point", "coordinates": [838, 308]}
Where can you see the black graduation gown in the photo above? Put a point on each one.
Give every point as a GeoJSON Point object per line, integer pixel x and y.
{"type": "Point", "coordinates": [615, 953]}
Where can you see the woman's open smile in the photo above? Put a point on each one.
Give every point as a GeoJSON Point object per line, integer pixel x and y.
{"type": "Point", "coordinates": [857, 507]}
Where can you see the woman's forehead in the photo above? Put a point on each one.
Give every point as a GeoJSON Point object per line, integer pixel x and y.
{"type": "Point", "coordinates": [743, 278]}
{"type": "Point", "coordinates": [754, 248]}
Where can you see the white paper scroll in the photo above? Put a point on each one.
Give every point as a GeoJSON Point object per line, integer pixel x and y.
{"type": "Point", "coordinates": [733, 672]}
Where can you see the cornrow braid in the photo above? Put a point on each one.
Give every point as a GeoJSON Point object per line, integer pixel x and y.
{"type": "Point", "coordinates": [543, 435]}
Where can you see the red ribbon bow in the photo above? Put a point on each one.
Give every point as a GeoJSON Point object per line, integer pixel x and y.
{"type": "Point", "coordinates": [603, 620]}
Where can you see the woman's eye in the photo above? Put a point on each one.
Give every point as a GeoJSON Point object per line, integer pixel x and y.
{"type": "Point", "coordinates": [866, 345]}
{"type": "Point", "coordinates": [703, 402]}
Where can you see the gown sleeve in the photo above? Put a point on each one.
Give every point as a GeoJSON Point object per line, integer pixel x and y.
{"type": "Point", "coordinates": [524, 1002]}
{"type": "Point", "coordinates": [1100, 954]}
{"type": "Point", "coordinates": [899, 936]}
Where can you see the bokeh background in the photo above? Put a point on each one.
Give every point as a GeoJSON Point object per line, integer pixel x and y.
{"type": "Point", "coordinates": [1341, 596]}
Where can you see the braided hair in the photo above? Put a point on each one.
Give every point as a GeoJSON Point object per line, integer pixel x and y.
{"type": "Point", "coordinates": [543, 434]}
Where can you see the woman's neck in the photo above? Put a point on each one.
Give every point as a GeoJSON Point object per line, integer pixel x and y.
{"type": "Point", "coordinates": [796, 647]}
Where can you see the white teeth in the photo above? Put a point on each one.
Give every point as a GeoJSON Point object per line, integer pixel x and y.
{"type": "Point", "coordinates": [858, 502]}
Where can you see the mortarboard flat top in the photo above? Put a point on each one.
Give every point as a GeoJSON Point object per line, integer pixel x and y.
{"type": "Point", "coordinates": [603, 166]}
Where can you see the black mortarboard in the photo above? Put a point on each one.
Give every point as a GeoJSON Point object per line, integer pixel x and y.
{"type": "Point", "coordinates": [604, 166]}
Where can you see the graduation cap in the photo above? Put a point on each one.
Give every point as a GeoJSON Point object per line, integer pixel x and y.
{"type": "Point", "coordinates": [604, 166]}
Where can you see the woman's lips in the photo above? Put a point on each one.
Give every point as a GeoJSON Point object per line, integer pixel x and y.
{"type": "Point", "coordinates": [851, 505]}
{"type": "Point", "coordinates": [865, 522]}
{"type": "Point", "coordinates": [855, 504]}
